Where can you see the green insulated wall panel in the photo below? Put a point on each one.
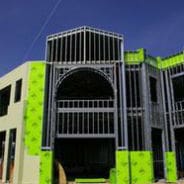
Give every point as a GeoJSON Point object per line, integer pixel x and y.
{"type": "Point", "coordinates": [134, 57]}
{"type": "Point", "coordinates": [122, 167]}
{"type": "Point", "coordinates": [170, 61]}
{"type": "Point", "coordinates": [112, 178]}
{"type": "Point", "coordinates": [141, 167]}
{"type": "Point", "coordinates": [46, 167]}
{"type": "Point", "coordinates": [34, 119]}
{"type": "Point", "coordinates": [171, 166]}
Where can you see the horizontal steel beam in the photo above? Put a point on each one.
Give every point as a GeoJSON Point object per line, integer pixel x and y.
{"type": "Point", "coordinates": [68, 110]}
{"type": "Point", "coordinates": [80, 136]}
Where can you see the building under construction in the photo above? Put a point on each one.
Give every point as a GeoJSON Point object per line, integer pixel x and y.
{"type": "Point", "coordinates": [92, 113]}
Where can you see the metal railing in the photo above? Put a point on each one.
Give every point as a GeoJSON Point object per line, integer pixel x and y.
{"type": "Point", "coordinates": [85, 103]}
{"type": "Point", "coordinates": [156, 114]}
{"type": "Point", "coordinates": [179, 112]}
{"type": "Point", "coordinates": [85, 118]}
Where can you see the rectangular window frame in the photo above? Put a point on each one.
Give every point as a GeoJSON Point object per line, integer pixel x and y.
{"type": "Point", "coordinates": [5, 95]}
{"type": "Point", "coordinates": [153, 92]}
{"type": "Point", "coordinates": [18, 91]}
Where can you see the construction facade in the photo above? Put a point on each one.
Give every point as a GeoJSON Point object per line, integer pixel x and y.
{"type": "Point", "coordinates": [102, 114]}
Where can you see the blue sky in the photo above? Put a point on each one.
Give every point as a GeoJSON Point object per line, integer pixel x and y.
{"type": "Point", "coordinates": [157, 25]}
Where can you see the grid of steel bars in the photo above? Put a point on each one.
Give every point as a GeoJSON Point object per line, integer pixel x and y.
{"type": "Point", "coordinates": [77, 48]}
{"type": "Point", "coordinates": [84, 45]}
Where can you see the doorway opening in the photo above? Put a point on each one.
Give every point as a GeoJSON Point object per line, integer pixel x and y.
{"type": "Point", "coordinates": [85, 158]}
{"type": "Point", "coordinates": [179, 137]}
{"type": "Point", "coordinates": [85, 126]}
{"type": "Point", "coordinates": [158, 158]}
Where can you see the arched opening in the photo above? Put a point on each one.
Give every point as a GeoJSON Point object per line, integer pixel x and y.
{"type": "Point", "coordinates": [85, 141]}
{"type": "Point", "coordinates": [85, 83]}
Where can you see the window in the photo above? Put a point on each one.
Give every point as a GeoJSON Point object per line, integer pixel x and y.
{"type": "Point", "coordinates": [18, 88]}
{"type": "Point", "coordinates": [178, 88]}
{"type": "Point", "coordinates": [4, 100]}
{"type": "Point", "coordinates": [153, 89]}
{"type": "Point", "coordinates": [2, 150]}
{"type": "Point", "coordinates": [11, 155]}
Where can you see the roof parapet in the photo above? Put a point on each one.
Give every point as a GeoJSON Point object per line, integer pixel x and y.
{"type": "Point", "coordinates": [141, 56]}
{"type": "Point", "coordinates": [134, 57]}
{"type": "Point", "coordinates": [170, 61]}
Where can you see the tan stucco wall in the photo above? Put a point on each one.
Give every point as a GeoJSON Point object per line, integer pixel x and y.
{"type": "Point", "coordinates": [26, 167]}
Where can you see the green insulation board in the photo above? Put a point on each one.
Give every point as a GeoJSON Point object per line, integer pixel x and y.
{"type": "Point", "coordinates": [170, 61]}
{"type": "Point", "coordinates": [141, 167]}
{"type": "Point", "coordinates": [140, 56]}
{"type": "Point", "coordinates": [46, 167]}
{"type": "Point", "coordinates": [122, 168]}
{"type": "Point", "coordinates": [170, 158]}
{"type": "Point", "coordinates": [112, 176]}
{"type": "Point", "coordinates": [34, 119]}
{"type": "Point", "coordinates": [134, 57]}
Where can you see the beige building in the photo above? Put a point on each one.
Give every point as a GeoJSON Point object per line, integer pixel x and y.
{"type": "Point", "coordinates": [20, 163]}
{"type": "Point", "coordinates": [101, 113]}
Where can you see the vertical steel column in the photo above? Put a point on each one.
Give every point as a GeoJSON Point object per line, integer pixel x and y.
{"type": "Point", "coordinates": [53, 109]}
{"type": "Point", "coordinates": [56, 51]}
{"type": "Point", "coordinates": [164, 110]}
{"type": "Point", "coordinates": [170, 110]}
{"type": "Point", "coordinates": [121, 98]}
{"type": "Point", "coordinates": [104, 53]}
{"type": "Point", "coordinates": [145, 93]}
{"type": "Point", "coordinates": [99, 44]}
{"type": "Point", "coordinates": [113, 49]}
{"type": "Point", "coordinates": [66, 43]}
{"type": "Point", "coordinates": [123, 108]}
{"type": "Point", "coordinates": [80, 50]}
{"type": "Point", "coordinates": [84, 61]}
{"type": "Point", "coordinates": [89, 46]}
{"type": "Point", "coordinates": [95, 46]}
{"type": "Point", "coordinates": [115, 108]}
{"type": "Point", "coordinates": [70, 56]}
{"type": "Point", "coordinates": [172, 98]}
{"type": "Point", "coordinates": [61, 50]}
{"type": "Point", "coordinates": [141, 105]}
{"type": "Point", "coordinates": [131, 107]}
{"type": "Point", "coordinates": [48, 122]}
{"type": "Point", "coordinates": [109, 58]}
{"type": "Point", "coordinates": [136, 111]}
{"type": "Point", "coordinates": [75, 56]}
{"type": "Point", "coordinates": [165, 144]}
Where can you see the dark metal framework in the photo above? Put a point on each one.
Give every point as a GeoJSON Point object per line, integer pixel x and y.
{"type": "Point", "coordinates": [173, 86]}
{"type": "Point", "coordinates": [144, 104]}
{"type": "Point", "coordinates": [98, 53]}
{"type": "Point", "coordinates": [145, 112]}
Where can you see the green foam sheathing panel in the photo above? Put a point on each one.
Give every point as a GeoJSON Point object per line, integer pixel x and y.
{"type": "Point", "coordinates": [34, 108]}
{"type": "Point", "coordinates": [46, 167]}
{"type": "Point", "coordinates": [141, 167]}
{"type": "Point", "coordinates": [112, 176]}
{"type": "Point", "coordinates": [134, 57]}
{"type": "Point", "coordinates": [151, 61]}
{"type": "Point", "coordinates": [90, 180]}
{"type": "Point", "coordinates": [34, 119]}
{"type": "Point", "coordinates": [170, 167]}
{"type": "Point", "coordinates": [170, 61]}
{"type": "Point", "coordinates": [140, 56]}
{"type": "Point", "coordinates": [122, 167]}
